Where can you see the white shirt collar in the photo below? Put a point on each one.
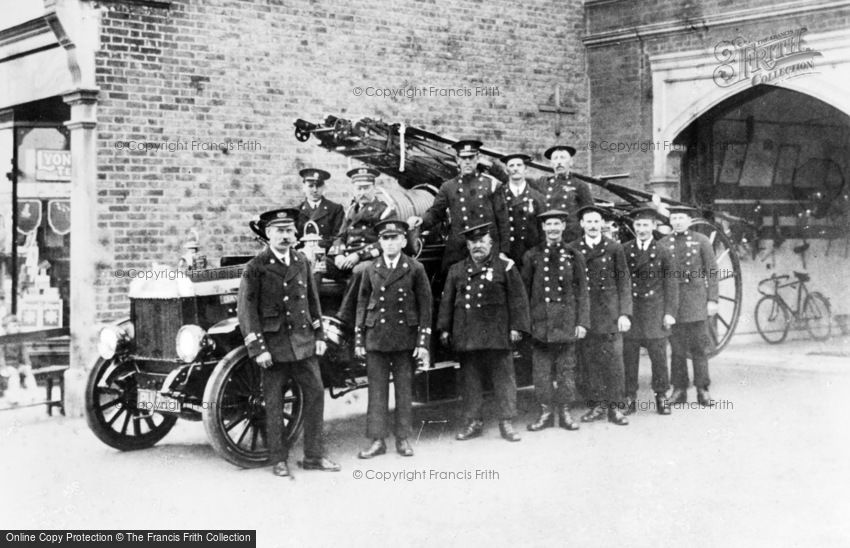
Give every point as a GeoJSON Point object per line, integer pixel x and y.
{"type": "Point", "coordinates": [516, 190]}
{"type": "Point", "coordinates": [591, 242]}
{"type": "Point", "coordinates": [643, 245]}
{"type": "Point", "coordinates": [313, 204]}
{"type": "Point", "coordinates": [394, 263]}
{"type": "Point", "coordinates": [285, 259]}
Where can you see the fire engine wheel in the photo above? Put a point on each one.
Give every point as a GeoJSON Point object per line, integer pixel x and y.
{"type": "Point", "coordinates": [235, 410]}
{"type": "Point", "coordinates": [722, 326]}
{"type": "Point", "coordinates": [112, 409]}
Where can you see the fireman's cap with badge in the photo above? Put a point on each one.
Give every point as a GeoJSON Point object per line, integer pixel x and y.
{"type": "Point", "coordinates": [556, 148]}
{"type": "Point", "coordinates": [554, 214]}
{"type": "Point", "coordinates": [363, 175]}
{"type": "Point", "coordinates": [476, 232]}
{"type": "Point", "coordinates": [314, 176]}
{"type": "Point", "coordinates": [391, 227]}
{"type": "Point", "coordinates": [277, 217]}
{"type": "Point", "coordinates": [526, 159]}
{"type": "Point", "coordinates": [646, 212]}
{"type": "Point", "coordinates": [467, 147]}
{"type": "Point", "coordinates": [682, 208]}
{"type": "Point", "coordinates": [604, 213]}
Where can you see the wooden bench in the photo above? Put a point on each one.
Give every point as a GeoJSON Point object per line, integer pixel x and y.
{"type": "Point", "coordinates": [46, 346]}
{"type": "Point", "coordinates": [54, 375]}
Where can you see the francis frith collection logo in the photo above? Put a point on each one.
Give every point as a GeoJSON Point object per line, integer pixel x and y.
{"type": "Point", "coordinates": [769, 59]}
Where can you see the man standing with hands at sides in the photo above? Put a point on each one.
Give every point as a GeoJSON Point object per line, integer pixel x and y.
{"type": "Point", "coordinates": [655, 296]}
{"type": "Point", "coordinates": [327, 215]}
{"type": "Point", "coordinates": [696, 267]}
{"type": "Point", "coordinates": [554, 274]}
{"type": "Point", "coordinates": [601, 351]}
{"type": "Point", "coordinates": [561, 192]}
{"type": "Point", "coordinates": [281, 320]}
{"type": "Point", "coordinates": [393, 329]}
{"type": "Point", "coordinates": [468, 200]}
{"type": "Point", "coordinates": [482, 311]}
{"type": "Point", "coordinates": [523, 204]}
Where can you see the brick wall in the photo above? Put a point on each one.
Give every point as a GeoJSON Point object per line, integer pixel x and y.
{"type": "Point", "coordinates": [225, 70]}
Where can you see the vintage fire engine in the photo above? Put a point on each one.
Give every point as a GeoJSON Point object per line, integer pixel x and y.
{"type": "Point", "coordinates": [180, 353]}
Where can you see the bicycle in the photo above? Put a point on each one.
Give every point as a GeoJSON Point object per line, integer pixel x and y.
{"type": "Point", "coordinates": [774, 316]}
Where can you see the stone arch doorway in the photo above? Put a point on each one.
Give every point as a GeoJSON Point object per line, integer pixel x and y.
{"type": "Point", "coordinates": [770, 151]}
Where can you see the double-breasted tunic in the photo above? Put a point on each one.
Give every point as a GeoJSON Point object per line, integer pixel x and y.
{"type": "Point", "coordinates": [655, 292]}
{"type": "Point", "coordinates": [482, 304]}
{"type": "Point", "coordinates": [556, 280]}
{"type": "Point", "coordinates": [467, 201]}
{"type": "Point", "coordinates": [278, 307]}
{"type": "Point", "coordinates": [327, 215]}
{"type": "Point", "coordinates": [565, 194]}
{"type": "Point", "coordinates": [695, 271]}
{"type": "Point", "coordinates": [524, 228]}
{"type": "Point", "coordinates": [608, 283]}
{"type": "Point", "coordinates": [394, 307]}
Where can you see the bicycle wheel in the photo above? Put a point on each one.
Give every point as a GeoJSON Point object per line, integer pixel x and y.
{"type": "Point", "coordinates": [772, 319]}
{"type": "Point", "coordinates": [816, 314]}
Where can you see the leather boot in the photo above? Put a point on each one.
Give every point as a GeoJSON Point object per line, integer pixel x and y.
{"type": "Point", "coordinates": [616, 416]}
{"type": "Point", "coordinates": [565, 419]}
{"type": "Point", "coordinates": [506, 428]}
{"type": "Point", "coordinates": [545, 420]}
{"type": "Point", "coordinates": [281, 469]}
{"type": "Point", "coordinates": [593, 414]}
{"type": "Point", "coordinates": [378, 447]}
{"type": "Point", "coordinates": [631, 405]}
{"type": "Point", "coordinates": [473, 429]}
{"type": "Point", "coordinates": [704, 397]}
{"type": "Point", "coordinates": [679, 395]}
{"type": "Point", "coordinates": [403, 448]}
{"type": "Point", "coordinates": [662, 406]}
{"type": "Point", "coordinates": [321, 463]}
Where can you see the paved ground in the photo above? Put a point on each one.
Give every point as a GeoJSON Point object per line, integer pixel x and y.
{"type": "Point", "coordinates": [767, 467]}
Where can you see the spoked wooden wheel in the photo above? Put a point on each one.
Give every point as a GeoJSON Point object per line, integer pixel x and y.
{"type": "Point", "coordinates": [235, 410]}
{"type": "Point", "coordinates": [112, 409]}
{"type": "Point", "coordinates": [722, 326]}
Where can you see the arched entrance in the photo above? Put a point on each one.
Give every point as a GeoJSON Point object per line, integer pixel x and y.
{"type": "Point", "coordinates": [774, 157]}
{"type": "Point", "coordinates": [772, 164]}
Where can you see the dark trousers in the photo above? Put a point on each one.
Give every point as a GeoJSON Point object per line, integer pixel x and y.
{"type": "Point", "coordinates": [348, 305]}
{"type": "Point", "coordinates": [378, 366]}
{"type": "Point", "coordinates": [554, 362]}
{"type": "Point", "coordinates": [689, 337]}
{"type": "Point", "coordinates": [500, 365]}
{"type": "Point", "coordinates": [601, 358]}
{"type": "Point", "coordinates": [657, 349]}
{"type": "Point", "coordinates": [275, 378]}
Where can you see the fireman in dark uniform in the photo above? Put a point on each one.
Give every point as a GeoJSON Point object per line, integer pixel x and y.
{"type": "Point", "coordinates": [696, 272]}
{"type": "Point", "coordinates": [483, 310]}
{"type": "Point", "coordinates": [601, 351]}
{"type": "Point", "coordinates": [281, 320]}
{"type": "Point", "coordinates": [468, 200]}
{"type": "Point", "coordinates": [561, 192]}
{"type": "Point", "coordinates": [357, 241]}
{"type": "Point", "coordinates": [655, 303]}
{"type": "Point", "coordinates": [393, 330]}
{"type": "Point", "coordinates": [327, 215]}
{"type": "Point", "coordinates": [523, 204]}
{"type": "Point", "coordinates": [555, 276]}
